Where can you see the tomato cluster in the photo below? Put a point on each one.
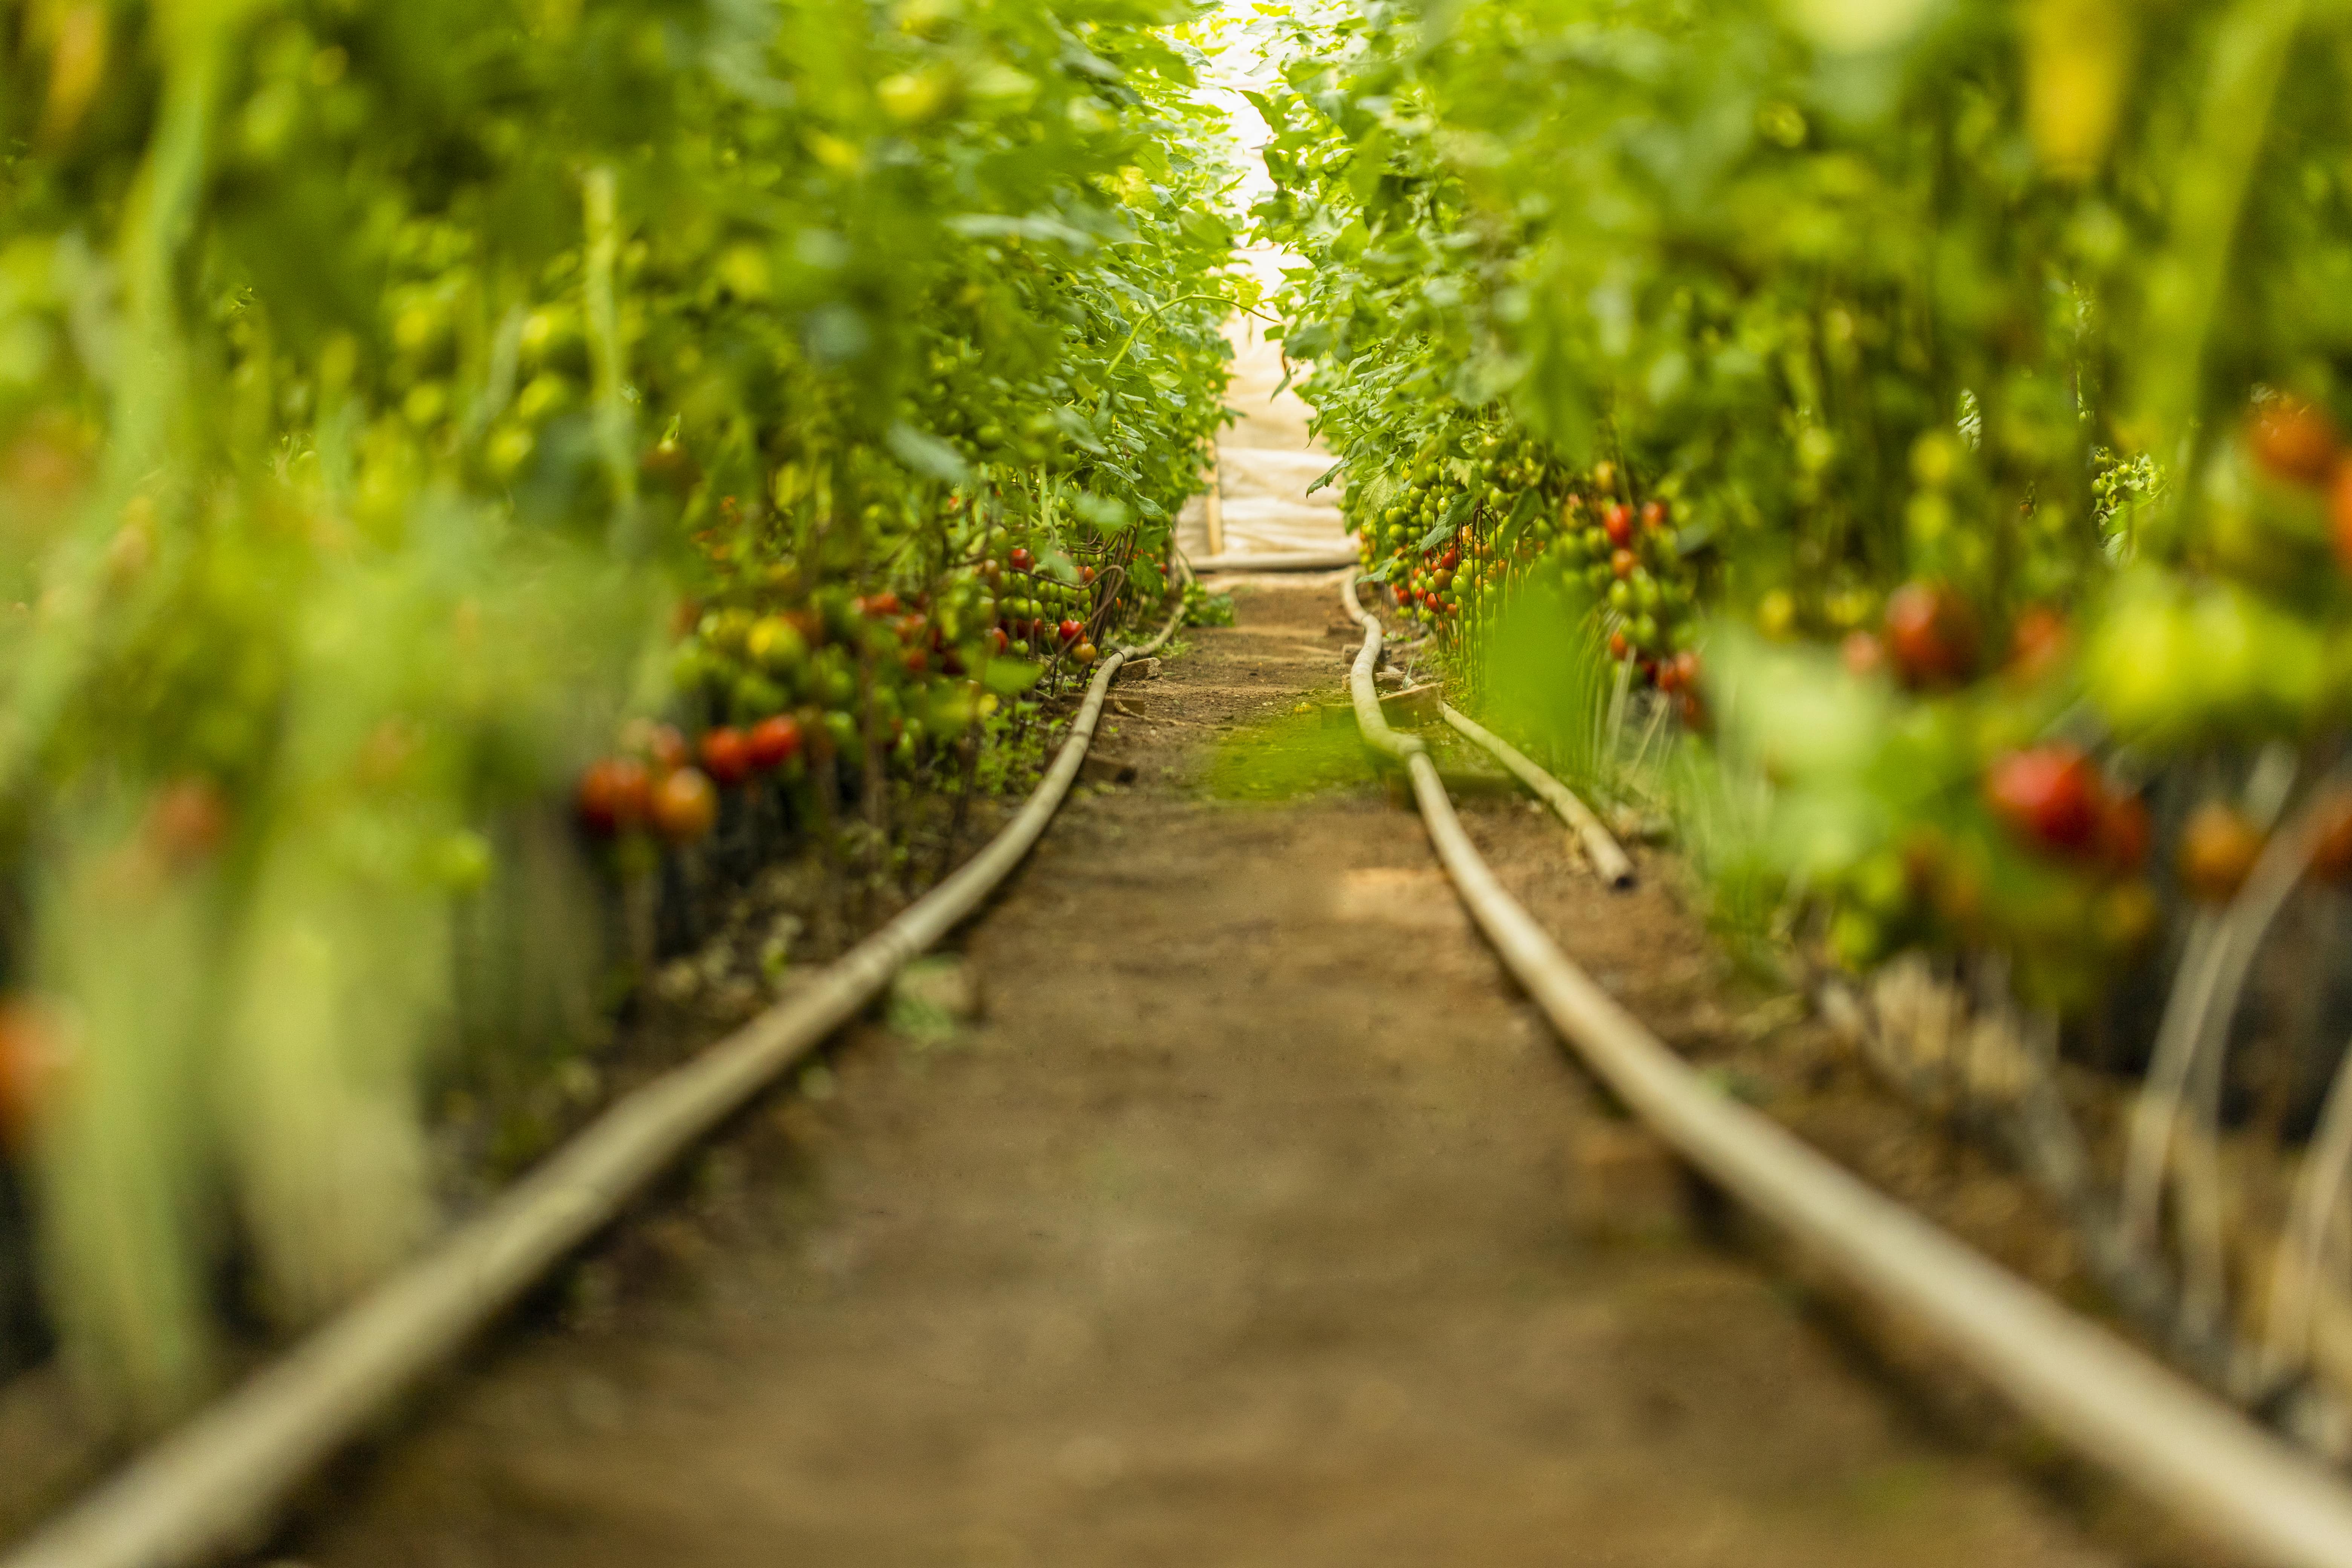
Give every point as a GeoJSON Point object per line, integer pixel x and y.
{"type": "Point", "coordinates": [772, 677]}
{"type": "Point", "coordinates": [1452, 537]}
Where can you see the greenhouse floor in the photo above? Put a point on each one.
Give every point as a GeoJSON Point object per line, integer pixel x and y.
{"type": "Point", "coordinates": [1255, 1219]}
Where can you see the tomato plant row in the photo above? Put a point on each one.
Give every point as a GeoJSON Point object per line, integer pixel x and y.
{"type": "Point", "coordinates": [1966, 379]}
{"type": "Point", "coordinates": [1941, 409]}
{"type": "Point", "coordinates": [427, 428]}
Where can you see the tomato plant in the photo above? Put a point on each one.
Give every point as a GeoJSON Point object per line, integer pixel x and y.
{"type": "Point", "coordinates": [422, 423]}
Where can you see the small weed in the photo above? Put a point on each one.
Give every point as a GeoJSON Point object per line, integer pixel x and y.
{"type": "Point", "coordinates": [1204, 608]}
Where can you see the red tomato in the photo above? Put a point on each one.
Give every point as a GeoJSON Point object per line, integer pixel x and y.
{"type": "Point", "coordinates": [186, 821]}
{"type": "Point", "coordinates": [2331, 860]}
{"type": "Point", "coordinates": [2340, 514]}
{"type": "Point", "coordinates": [32, 1057]}
{"type": "Point", "coordinates": [1863, 655]}
{"type": "Point", "coordinates": [616, 796]}
{"type": "Point", "coordinates": [1071, 630]}
{"type": "Point", "coordinates": [1686, 669]}
{"type": "Point", "coordinates": [2292, 440]}
{"type": "Point", "coordinates": [918, 662]}
{"type": "Point", "coordinates": [1930, 634]}
{"type": "Point", "coordinates": [2048, 795]}
{"type": "Point", "coordinates": [1619, 521]}
{"type": "Point", "coordinates": [1654, 514]}
{"type": "Point", "coordinates": [726, 756]}
{"type": "Point", "coordinates": [684, 806]}
{"type": "Point", "coordinates": [773, 742]}
{"type": "Point", "coordinates": [2218, 851]}
{"type": "Point", "coordinates": [1021, 560]}
{"type": "Point", "coordinates": [1085, 573]}
{"type": "Point", "coordinates": [1622, 561]}
{"type": "Point", "coordinates": [659, 744]}
{"type": "Point", "coordinates": [2037, 644]}
{"type": "Point", "coordinates": [997, 640]}
{"type": "Point", "coordinates": [1617, 645]}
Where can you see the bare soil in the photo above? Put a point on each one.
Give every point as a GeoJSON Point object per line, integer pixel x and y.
{"type": "Point", "coordinates": [1256, 1220]}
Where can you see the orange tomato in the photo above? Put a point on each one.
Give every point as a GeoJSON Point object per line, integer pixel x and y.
{"type": "Point", "coordinates": [684, 806]}
{"type": "Point", "coordinates": [2218, 851]}
{"type": "Point", "coordinates": [2292, 440]}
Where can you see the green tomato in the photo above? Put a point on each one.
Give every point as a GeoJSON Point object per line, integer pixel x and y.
{"type": "Point", "coordinates": [728, 630]}
{"type": "Point", "coordinates": [756, 696]}
{"type": "Point", "coordinates": [839, 608]}
{"type": "Point", "coordinates": [1856, 938]}
{"type": "Point", "coordinates": [835, 683]}
{"type": "Point", "coordinates": [1881, 885]}
{"type": "Point", "coordinates": [776, 645]}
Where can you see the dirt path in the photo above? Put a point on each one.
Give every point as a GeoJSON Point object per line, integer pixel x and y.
{"type": "Point", "coordinates": [1238, 1231]}
{"type": "Point", "coordinates": [1267, 460]}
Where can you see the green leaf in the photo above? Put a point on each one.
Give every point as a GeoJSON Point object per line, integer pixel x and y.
{"type": "Point", "coordinates": [928, 455]}
{"type": "Point", "coordinates": [1010, 677]}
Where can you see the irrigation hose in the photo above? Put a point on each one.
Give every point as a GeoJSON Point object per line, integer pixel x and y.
{"type": "Point", "coordinates": [2156, 1431]}
{"type": "Point", "coordinates": [1279, 561]}
{"type": "Point", "coordinates": [211, 1487]}
{"type": "Point", "coordinates": [1609, 861]}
